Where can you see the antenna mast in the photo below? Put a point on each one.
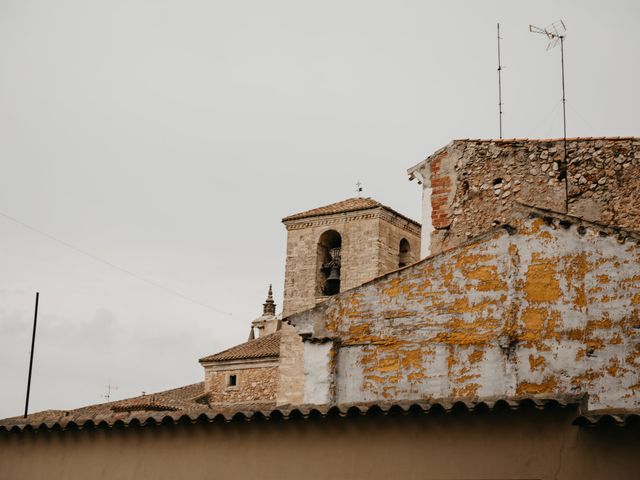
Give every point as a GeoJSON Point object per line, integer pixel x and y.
{"type": "Point", "coordinates": [33, 346]}
{"type": "Point", "coordinates": [499, 84]}
{"type": "Point", "coordinates": [556, 33]}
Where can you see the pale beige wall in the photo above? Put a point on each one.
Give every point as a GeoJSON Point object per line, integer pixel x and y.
{"type": "Point", "coordinates": [494, 445]}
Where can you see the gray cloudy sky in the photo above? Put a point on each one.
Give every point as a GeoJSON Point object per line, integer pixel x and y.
{"type": "Point", "coordinates": [170, 137]}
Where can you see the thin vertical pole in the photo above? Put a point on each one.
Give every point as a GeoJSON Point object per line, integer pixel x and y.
{"type": "Point", "coordinates": [33, 344]}
{"type": "Point", "coordinates": [499, 84]}
{"type": "Point", "coordinates": [564, 131]}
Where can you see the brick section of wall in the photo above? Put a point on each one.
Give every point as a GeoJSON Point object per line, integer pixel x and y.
{"type": "Point", "coordinates": [475, 183]}
{"type": "Point", "coordinates": [441, 188]}
{"type": "Point", "coordinates": [253, 385]}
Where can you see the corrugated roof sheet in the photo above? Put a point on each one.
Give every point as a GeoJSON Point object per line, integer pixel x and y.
{"type": "Point", "coordinates": [206, 414]}
{"type": "Point", "coordinates": [261, 347]}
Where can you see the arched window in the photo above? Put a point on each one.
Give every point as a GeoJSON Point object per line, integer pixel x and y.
{"type": "Point", "coordinates": [328, 276]}
{"type": "Point", "coordinates": [404, 257]}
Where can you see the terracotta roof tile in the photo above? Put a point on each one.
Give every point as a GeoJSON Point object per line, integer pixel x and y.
{"type": "Point", "coordinates": [345, 206]}
{"type": "Point", "coordinates": [261, 347]}
{"type": "Point", "coordinates": [242, 412]}
{"type": "Point", "coordinates": [348, 205]}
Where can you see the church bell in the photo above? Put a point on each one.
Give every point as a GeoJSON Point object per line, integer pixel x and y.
{"type": "Point", "coordinates": [334, 274]}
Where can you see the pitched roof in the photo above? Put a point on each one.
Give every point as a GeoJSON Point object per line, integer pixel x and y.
{"type": "Point", "coordinates": [261, 347]}
{"type": "Point", "coordinates": [241, 412]}
{"type": "Point", "coordinates": [349, 205]}
{"type": "Point", "coordinates": [175, 399]}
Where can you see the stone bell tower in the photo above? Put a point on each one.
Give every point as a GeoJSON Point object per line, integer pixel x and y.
{"type": "Point", "coordinates": [329, 250]}
{"type": "Point", "coordinates": [340, 246]}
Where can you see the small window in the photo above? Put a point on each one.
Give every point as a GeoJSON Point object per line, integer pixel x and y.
{"type": "Point", "coordinates": [232, 381]}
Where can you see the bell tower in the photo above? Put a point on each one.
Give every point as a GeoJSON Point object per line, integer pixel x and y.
{"type": "Point", "coordinates": [329, 250]}
{"type": "Point", "coordinates": [340, 246]}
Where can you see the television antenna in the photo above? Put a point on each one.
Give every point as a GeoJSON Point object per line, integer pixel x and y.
{"type": "Point", "coordinates": [499, 84]}
{"type": "Point", "coordinates": [556, 33]}
{"type": "Point", "coordinates": [109, 387]}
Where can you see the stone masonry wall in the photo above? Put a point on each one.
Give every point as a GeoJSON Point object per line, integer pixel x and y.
{"type": "Point", "coordinates": [290, 368]}
{"type": "Point", "coordinates": [370, 247]}
{"type": "Point", "coordinates": [547, 308]}
{"type": "Point", "coordinates": [476, 182]}
{"type": "Point", "coordinates": [390, 236]}
{"type": "Point", "coordinates": [253, 385]}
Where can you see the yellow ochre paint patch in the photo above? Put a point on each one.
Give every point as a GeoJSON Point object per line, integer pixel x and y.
{"type": "Point", "coordinates": [548, 385]}
{"type": "Point", "coordinates": [541, 283]}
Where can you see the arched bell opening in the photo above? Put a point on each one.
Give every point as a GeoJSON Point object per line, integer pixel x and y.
{"type": "Point", "coordinates": [404, 255]}
{"type": "Point", "coordinates": [328, 279]}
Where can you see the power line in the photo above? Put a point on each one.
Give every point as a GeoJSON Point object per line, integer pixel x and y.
{"type": "Point", "coordinates": [113, 265]}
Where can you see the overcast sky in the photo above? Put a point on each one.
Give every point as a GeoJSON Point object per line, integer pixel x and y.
{"type": "Point", "coordinates": [169, 138]}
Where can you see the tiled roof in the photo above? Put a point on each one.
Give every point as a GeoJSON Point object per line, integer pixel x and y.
{"type": "Point", "coordinates": [181, 398]}
{"type": "Point", "coordinates": [621, 418]}
{"type": "Point", "coordinates": [261, 347]}
{"type": "Point", "coordinates": [348, 205]}
{"type": "Point", "coordinates": [209, 414]}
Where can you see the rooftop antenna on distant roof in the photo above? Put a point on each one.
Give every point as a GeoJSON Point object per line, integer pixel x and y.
{"type": "Point", "coordinates": [110, 387]}
{"type": "Point", "coordinates": [499, 84]}
{"type": "Point", "coordinates": [556, 33]}
{"type": "Point", "coordinates": [359, 188]}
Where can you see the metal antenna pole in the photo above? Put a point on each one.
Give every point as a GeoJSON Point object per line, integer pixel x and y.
{"type": "Point", "coordinates": [499, 84]}
{"type": "Point", "coordinates": [33, 344]}
{"type": "Point", "coordinates": [564, 125]}
{"type": "Point", "coordinates": [556, 33]}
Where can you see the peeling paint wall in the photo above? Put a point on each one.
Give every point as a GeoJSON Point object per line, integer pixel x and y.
{"type": "Point", "coordinates": [551, 309]}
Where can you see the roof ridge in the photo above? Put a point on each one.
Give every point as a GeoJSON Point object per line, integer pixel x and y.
{"type": "Point", "coordinates": [261, 347]}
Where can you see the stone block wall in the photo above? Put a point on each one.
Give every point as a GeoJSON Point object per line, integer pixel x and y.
{"type": "Point", "coordinates": [370, 247]}
{"type": "Point", "coordinates": [290, 368]}
{"type": "Point", "coordinates": [253, 384]}
{"type": "Point", "coordinates": [475, 183]}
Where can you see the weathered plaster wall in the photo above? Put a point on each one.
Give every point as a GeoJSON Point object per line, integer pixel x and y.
{"type": "Point", "coordinates": [254, 383]}
{"type": "Point", "coordinates": [475, 183]}
{"type": "Point", "coordinates": [505, 445]}
{"type": "Point", "coordinates": [550, 309]}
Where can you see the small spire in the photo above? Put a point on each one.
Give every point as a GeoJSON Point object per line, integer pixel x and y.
{"type": "Point", "coordinates": [269, 305]}
{"type": "Point", "coordinates": [252, 334]}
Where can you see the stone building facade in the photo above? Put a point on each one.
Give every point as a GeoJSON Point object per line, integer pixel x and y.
{"type": "Point", "coordinates": [247, 373]}
{"type": "Point", "coordinates": [372, 240]}
{"type": "Point", "coordinates": [546, 306]}
{"type": "Point", "coordinates": [367, 239]}
{"type": "Point", "coordinates": [471, 185]}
